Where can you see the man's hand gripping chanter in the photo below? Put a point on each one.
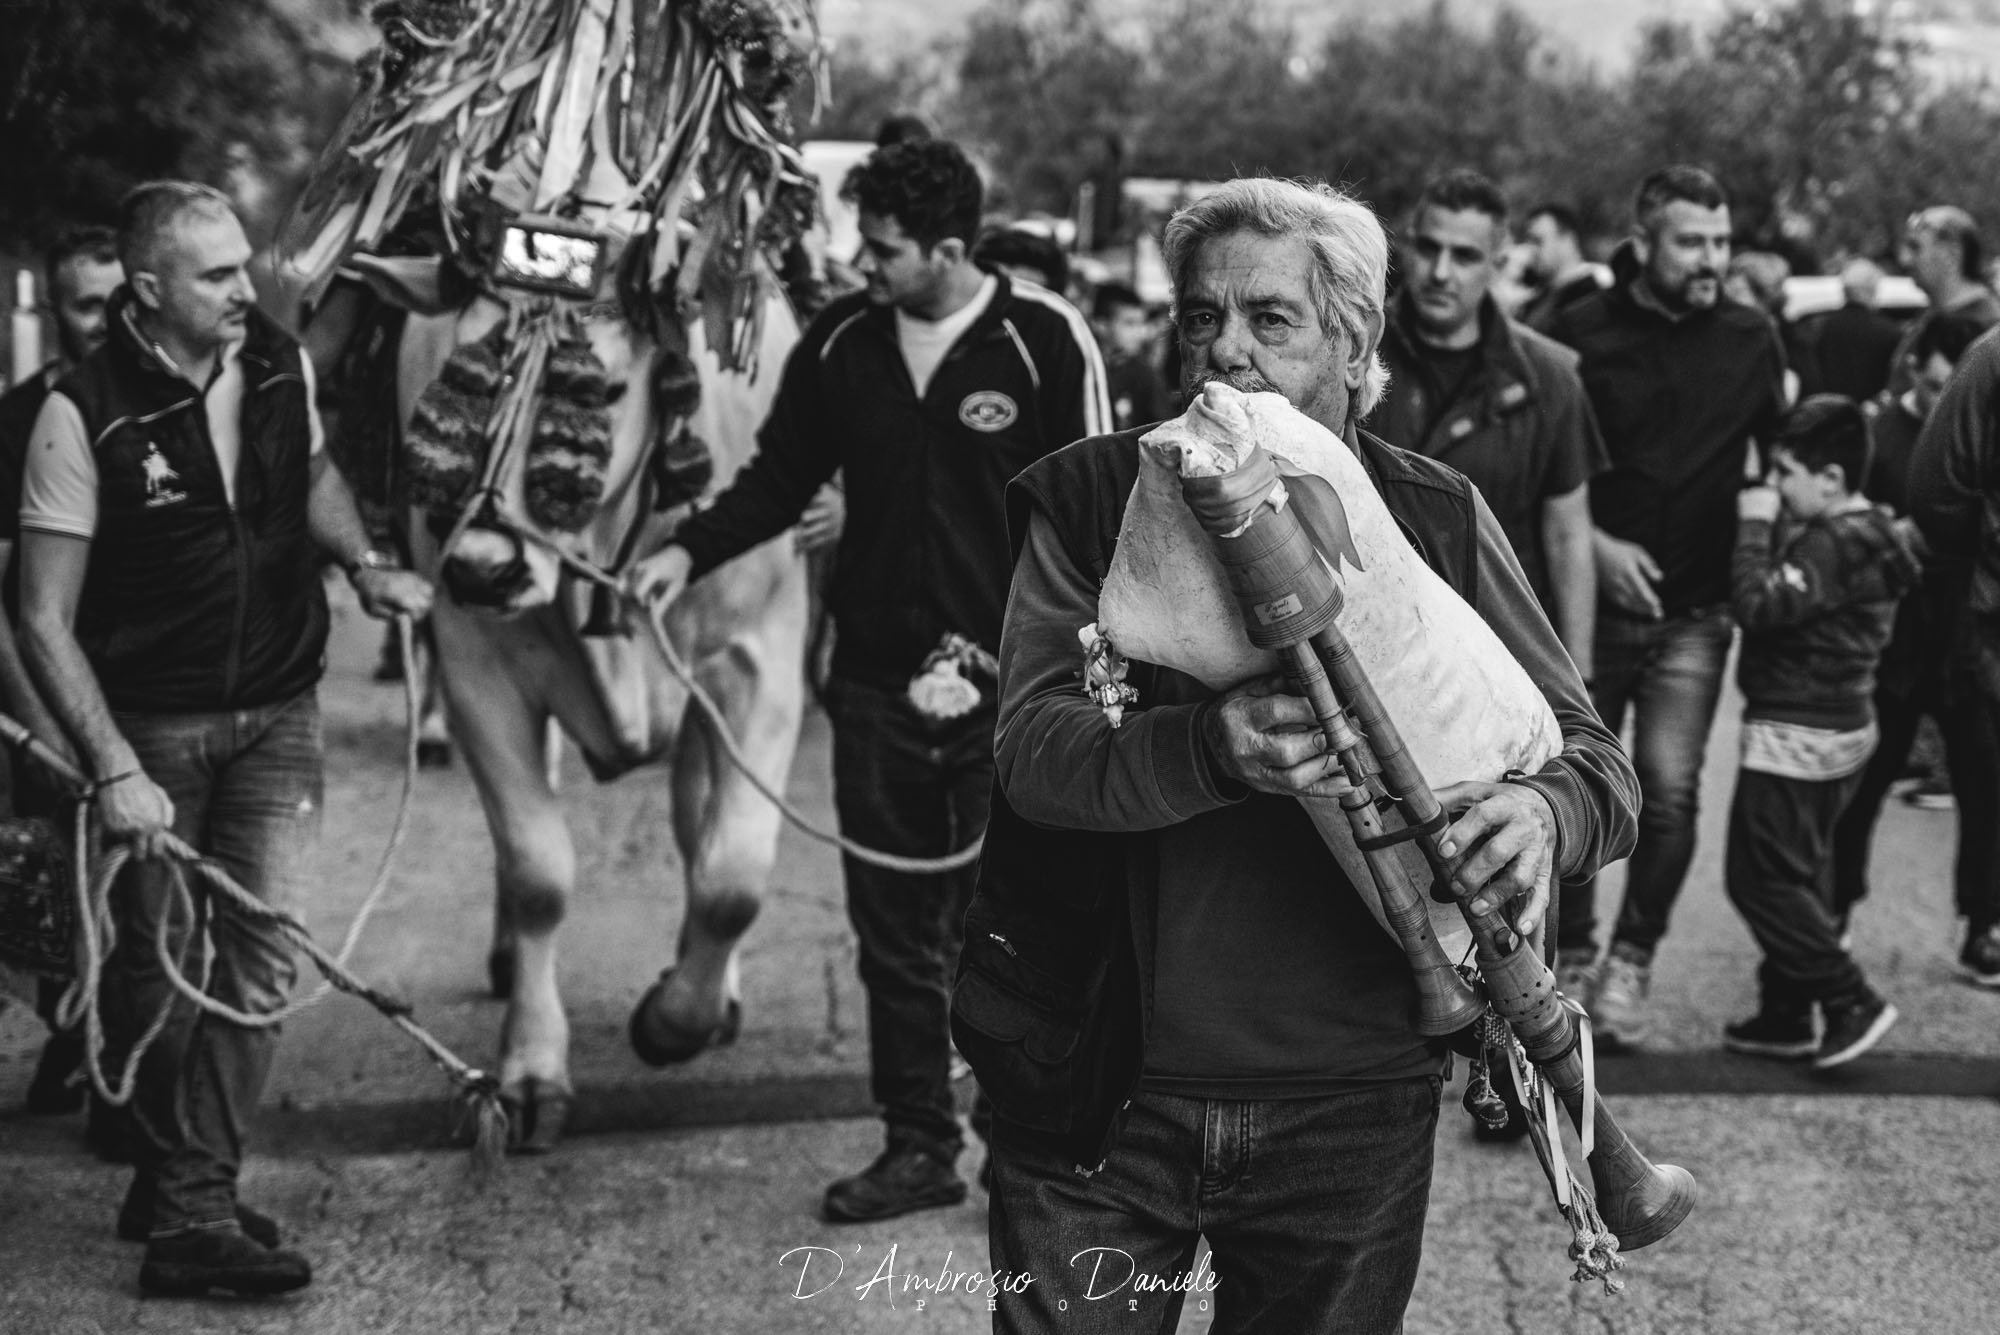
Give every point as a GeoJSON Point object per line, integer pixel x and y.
{"type": "Point", "coordinates": [1501, 842]}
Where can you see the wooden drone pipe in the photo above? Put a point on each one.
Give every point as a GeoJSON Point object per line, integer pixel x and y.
{"type": "Point", "coordinates": [1640, 1201]}
{"type": "Point", "coordinates": [1291, 600]}
{"type": "Point", "coordinates": [1289, 594]}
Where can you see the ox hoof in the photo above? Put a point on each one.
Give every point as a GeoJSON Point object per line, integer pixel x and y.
{"type": "Point", "coordinates": [536, 1114]}
{"type": "Point", "coordinates": [500, 972]}
{"type": "Point", "coordinates": [433, 753]}
{"type": "Point", "coordinates": [656, 1048]}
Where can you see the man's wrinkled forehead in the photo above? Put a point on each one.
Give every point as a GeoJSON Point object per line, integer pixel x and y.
{"type": "Point", "coordinates": [1250, 272]}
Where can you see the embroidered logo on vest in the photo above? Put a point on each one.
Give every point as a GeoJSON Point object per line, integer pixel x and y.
{"type": "Point", "coordinates": [988, 410]}
{"type": "Point", "coordinates": [160, 476]}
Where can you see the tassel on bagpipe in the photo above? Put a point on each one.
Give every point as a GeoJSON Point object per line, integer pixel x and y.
{"type": "Point", "coordinates": [1291, 602]}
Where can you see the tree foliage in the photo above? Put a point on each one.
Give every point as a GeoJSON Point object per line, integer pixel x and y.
{"type": "Point", "coordinates": [1054, 93]}
{"type": "Point", "coordinates": [1818, 115]}
{"type": "Point", "coordinates": [95, 97]}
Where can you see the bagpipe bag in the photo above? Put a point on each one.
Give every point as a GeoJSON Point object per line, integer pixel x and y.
{"type": "Point", "coordinates": [1466, 709]}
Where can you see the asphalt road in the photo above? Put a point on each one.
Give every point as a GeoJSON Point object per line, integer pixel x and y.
{"type": "Point", "coordinates": [1859, 1204]}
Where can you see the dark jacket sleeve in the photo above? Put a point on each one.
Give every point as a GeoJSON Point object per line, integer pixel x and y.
{"type": "Point", "coordinates": [1590, 784]}
{"type": "Point", "coordinates": [1768, 593]}
{"type": "Point", "coordinates": [1953, 461]}
{"type": "Point", "coordinates": [1060, 761]}
{"type": "Point", "coordinates": [797, 450]}
{"type": "Point", "coordinates": [1075, 394]}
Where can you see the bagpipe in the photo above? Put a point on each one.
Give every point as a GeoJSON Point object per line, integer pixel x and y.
{"type": "Point", "coordinates": [1253, 539]}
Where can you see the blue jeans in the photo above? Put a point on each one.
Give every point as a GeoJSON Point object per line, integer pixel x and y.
{"type": "Point", "coordinates": [1313, 1209]}
{"type": "Point", "coordinates": [1669, 675]}
{"type": "Point", "coordinates": [904, 784]}
{"type": "Point", "coordinates": [246, 788]}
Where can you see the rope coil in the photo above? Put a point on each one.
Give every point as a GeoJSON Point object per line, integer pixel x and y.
{"type": "Point", "coordinates": [97, 937]}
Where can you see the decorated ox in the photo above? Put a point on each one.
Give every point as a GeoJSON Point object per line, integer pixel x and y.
{"type": "Point", "coordinates": [507, 675]}
{"type": "Point", "coordinates": [604, 329]}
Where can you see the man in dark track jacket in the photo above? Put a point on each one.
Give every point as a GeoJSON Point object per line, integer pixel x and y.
{"type": "Point", "coordinates": [1185, 1017]}
{"type": "Point", "coordinates": [174, 508]}
{"type": "Point", "coordinates": [1683, 381]}
{"type": "Point", "coordinates": [929, 390]}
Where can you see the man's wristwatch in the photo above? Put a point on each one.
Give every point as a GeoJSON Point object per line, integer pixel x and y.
{"type": "Point", "coordinates": [372, 559]}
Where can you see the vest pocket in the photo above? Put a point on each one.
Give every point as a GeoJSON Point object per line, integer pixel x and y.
{"type": "Point", "coordinates": [1023, 1054]}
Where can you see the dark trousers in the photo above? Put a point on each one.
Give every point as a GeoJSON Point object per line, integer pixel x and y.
{"type": "Point", "coordinates": [1313, 1209]}
{"type": "Point", "coordinates": [1930, 668]}
{"type": "Point", "coordinates": [1779, 873]}
{"type": "Point", "coordinates": [246, 790]}
{"type": "Point", "coordinates": [903, 784]}
{"type": "Point", "coordinates": [1970, 741]}
{"type": "Point", "coordinates": [1975, 747]}
{"type": "Point", "coordinates": [1668, 674]}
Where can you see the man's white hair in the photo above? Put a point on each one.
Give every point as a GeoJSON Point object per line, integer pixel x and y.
{"type": "Point", "coordinates": [1350, 268]}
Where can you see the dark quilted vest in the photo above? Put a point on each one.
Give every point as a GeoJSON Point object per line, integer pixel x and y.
{"type": "Point", "coordinates": [191, 604]}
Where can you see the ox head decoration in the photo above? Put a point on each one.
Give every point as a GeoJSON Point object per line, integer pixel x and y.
{"type": "Point", "coordinates": [609, 176]}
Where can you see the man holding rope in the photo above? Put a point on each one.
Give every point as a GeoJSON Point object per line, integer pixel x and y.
{"type": "Point", "coordinates": [930, 389]}
{"type": "Point", "coordinates": [174, 508]}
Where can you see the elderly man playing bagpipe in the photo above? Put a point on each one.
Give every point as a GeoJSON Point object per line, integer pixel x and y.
{"type": "Point", "coordinates": [1186, 1017]}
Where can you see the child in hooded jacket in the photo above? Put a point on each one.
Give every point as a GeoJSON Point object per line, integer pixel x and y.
{"type": "Point", "coordinates": [1815, 579]}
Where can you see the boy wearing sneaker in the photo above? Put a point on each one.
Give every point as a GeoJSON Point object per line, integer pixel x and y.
{"type": "Point", "coordinates": [1815, 580]}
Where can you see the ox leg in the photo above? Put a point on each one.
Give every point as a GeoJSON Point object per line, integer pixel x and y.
{"type": "Point", "coordinates": [503, 743]}
{"type": "Point", "coordinates": [433, 732]}
{"type": "Point", "coordinates": [728, 837]}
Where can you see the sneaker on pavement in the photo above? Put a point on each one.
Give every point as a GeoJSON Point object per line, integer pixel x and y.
{"type": "Point", "coordinates": [902, 1179]}
{"type": "Point", "coordinates": [1981, 956]}
{"type": "Point", "coordinates": [193, 1263]}
{"type": "Point", "coordinates": [1618, 1013]}
{"type": "Point", "coordinates": [1773, 1033]}
{"type": "Point", "coordinates": [1852, 1028]}
{"type": "Point", "coordinates": [1576, 975]}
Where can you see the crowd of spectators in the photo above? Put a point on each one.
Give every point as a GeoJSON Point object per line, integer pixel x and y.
{"type": "Point", "coordinates": [1667, 458]}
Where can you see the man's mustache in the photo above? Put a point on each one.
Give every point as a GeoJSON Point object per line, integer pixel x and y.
{"type": "Point", "coordinates": [1243, 382]}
